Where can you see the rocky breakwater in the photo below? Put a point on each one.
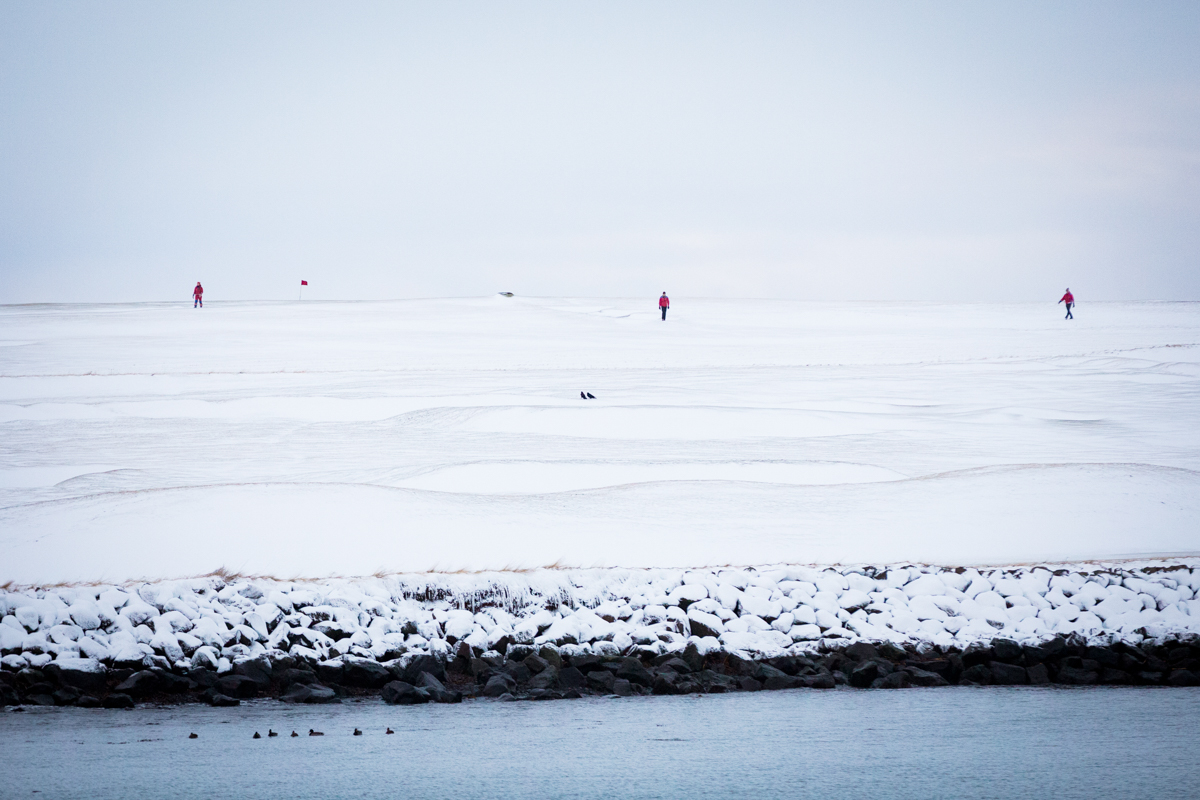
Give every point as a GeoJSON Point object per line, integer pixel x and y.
{"type": "Point", "coordinates": [557, 633]}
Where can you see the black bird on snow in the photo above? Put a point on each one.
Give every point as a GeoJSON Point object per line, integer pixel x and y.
{"type": "Point", "coordinates": [271, 732]}
{"type": "Point", "coordinates": [389, 730]}
{"type": "Point", "coordinates": [582, 396]}
{"type": "Point", "coordinates": [311, 732]}
{"type": "Point", "coordinates": [294, 734]}
{"type": "Point", "coordinates": [591, 396]}
{"type": "Point", "coordinates": [256, 735]}
{"type": "Point", "coordinates": [193, 736]}
{"type": "Point", "coordinates": [357, 732]}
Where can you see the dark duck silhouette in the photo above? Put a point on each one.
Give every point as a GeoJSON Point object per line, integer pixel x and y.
{"type": "Point", "coordinates": [311, 732]}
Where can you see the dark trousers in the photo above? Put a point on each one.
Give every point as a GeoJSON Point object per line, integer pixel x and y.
{"type": "Point", "coordinates": [1069, 315]}
{"type": "Point", "coordinates": [664, 310]}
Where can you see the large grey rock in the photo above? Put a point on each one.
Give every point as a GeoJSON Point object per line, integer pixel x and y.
{"type": "Point", "coordinates": [1008, 674]}
{"type": "Point", "coordinates": [256, 669]}
{"type": "Point", "coordinates": [498, 684]}
{"type": "Point", "coordinates": [1077, 676]}
{"type": "Point", "coordinates": [437, 690]}
{"type": "Point", "coordinates": [864, 674]}
{"type": "Point", "coordinates": [921, 677]}
{"type": "Point", "coordinates": [237, 686]}
{"type": "Point", "coordinates": [1183, 677]}
{"type": "Point", "coordinates": [979, 674]}
{"type": "Point", "coordinates": [546, 679]}
{"type": "Point", "coordinates": [894, 680]}
{"type": "Point", "coordinates": [571, 678]}
{"type": "Point", "coordinates": [400, 693]}
{"type": "Point", "coordinates": [1008, 651]}
{"type": "Point", "coordinates": [141, 683]}
{"type": "Point", "coordinates": [310, 693]}
{"type": "Point", "coordinates": [118, 700]}
{"type": "Point", "coordinates": [601, 680]}
{"type": "Point", "coordinates": [822, 680]}
{"type": "Point", "coordinates": [414, 668]}
{"type": "Point", "coordinates": [861, 651]}
{"type": "Point", "coordinates": [364, 674]}
{"type": "Point", "coordinates": [93, 680]}
{"type": "Point", "coordinates": [536, 664]}
{"type": "Point", "coordinates": [1038, 674]}
{"type": "Point", "coordinates": [632, 670]}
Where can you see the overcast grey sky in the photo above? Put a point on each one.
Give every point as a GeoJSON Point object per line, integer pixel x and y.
{"type": "Point", "coordinates": [970, 151]}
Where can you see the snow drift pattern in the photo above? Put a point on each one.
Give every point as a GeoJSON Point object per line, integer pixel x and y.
{"type": "Point", "coordinates": [213, 623]}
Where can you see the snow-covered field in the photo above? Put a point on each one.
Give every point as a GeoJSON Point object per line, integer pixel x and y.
{"type": "Point", "coordinates": [320, 439]}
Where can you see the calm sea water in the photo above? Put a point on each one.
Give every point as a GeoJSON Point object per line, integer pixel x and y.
{"type": "Point", "coordinates": [955, 742]}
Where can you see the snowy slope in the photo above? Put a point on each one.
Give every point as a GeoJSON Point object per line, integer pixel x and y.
{"type": "Point", "coordinates": [317, 439]}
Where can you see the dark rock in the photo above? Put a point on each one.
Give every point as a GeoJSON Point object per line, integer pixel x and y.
{"type": "Point", "coordinates": [519, 672]}
{"type": "Point", "coordinates": [1008, 674]}
{"type": "Point", "coordinates": [1115, 677]}
{"type": "Point", "coordinates": [79, 680]}
{"type": "Point", "coordinates": [290, 677]}
{"type": "Point", "coordinates": [520, 652]}
{"type": "Point", "coordinates": [978, 675]}
{"type": "Point", "coordinates": [258, 670]}
{"type": "Point", "coordinates": [118, 700]}
{"type": "Point", "coordinates": [498, 684]}
{"type": "Point", "coordinates": [700, 629]}
{"type": "Point", "coordinates": [572, 694]}
{"type": "Point", "coordinates": [781, 681]}
{"type": "Point", "coordinates": [1078, 676]}
{"type": "Point", "coordinates": [585, 663]}
{"type": "Point", "coordinates": [746, 683]}
{"type": "Point", "coordinates": [437, 690]}
{"type": "Point", "coordinates": [400, 693]}
{"type": "Point", "coordinates": [414, 668]}
{"type": "Point", "coordinates": [502, 644]}
{"type": "Point", "coordinates": [535, 664]}
{"type": "Point", "coordinates": [895, 680]}
{"type": "Point", "coordinates": [632, 670]}
{"type": "Point", "coordinates": [142, 683]}
{"type": "Point", "coordinates": [203, 678]}
{"type": "Point", "coordinates": [1038, 675]}
{"type": "Point", "coordinates": [88, 701]}
{"type": "Point", "coordinates": [1104, 656]}
{"type": "Point", "coordinates": [552, 657]}
{"type": "Point", "coordinates": [1008, 651]}
{"type": "Point", "coordinates": [622, 688]}
{"type": "Point", "coordinates": [601, 680]}
{"type": "Point", "coordinates": [216, 698]}
{"type": "Point", "coordinates": [65, 697]}
{"type": "Point", "coordinates": [766, 672]}
{"type": "Point", "coordinates": [1149, 678]}
{"type": "Point", "coordinates": [8, 695]}
{"type": "Point", "coordinates": [310, 693]}
{"type": "Point", "coordinates": [976, 656]}
{"type": "Point", "coordinates": [571, 678]}
{"type": "Point", "coordinates": [545, 679]}
{"type": "Point", "coordinates": [678, 665]}
{"type": "Point", "coordinates": [861, 651]}
{"type": "Point", "coordinates": [330, 673]}
{"type": "Point", "coordinates": [822, 680]}
{"type": "Point", "coordinates": [364, 674]}
{"type": "Point", "coordinates": [1183, 677]}
{"type": "Point", "coordinates": [237, 686]}
{"type": "Point", "coordinates": [665, 682]}
{"type": "Point", "coordinates": [691, 655]}
{"type": "Point", "coordinates": [42, 699]}
{"type": "Point", "coordinates": [891, 652]}
{"type": "Point", "coordinates": [864, 674]}
{"type": "Point", "coordinates": [922, 677]}
{"type": "Point", "coordinates": [177, 684]}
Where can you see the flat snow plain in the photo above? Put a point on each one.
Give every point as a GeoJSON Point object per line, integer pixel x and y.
{"type": "Point", "coordinates": [306, 440]}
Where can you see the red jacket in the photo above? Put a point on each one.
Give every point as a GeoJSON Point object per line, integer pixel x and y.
{"type": "Point", "coordinates": [1067, 298]}
{"type": "Point", "coordinates": [663, 302]}
{"type": "Point", "coordinates": [199, 290]}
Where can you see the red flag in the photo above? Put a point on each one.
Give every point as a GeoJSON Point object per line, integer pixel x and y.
{"type": "Point", "coordinates": [304, 283]}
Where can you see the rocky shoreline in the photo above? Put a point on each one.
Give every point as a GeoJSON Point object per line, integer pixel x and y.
{"type": "Point", "coordinates": [565, 633]}
{"type": "Point", "coordinates": [528, 674]}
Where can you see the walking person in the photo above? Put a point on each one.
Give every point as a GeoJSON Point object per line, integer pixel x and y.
{"type": "Point", "coordinates": [1069, 299]}
{"type": "Point", "coordinates": [664, 303]}
{"type": "Point", "coordinates": [198, 295]}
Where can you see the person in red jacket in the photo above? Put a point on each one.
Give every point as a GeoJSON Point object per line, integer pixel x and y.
{"type": "Point", "coordinates": [1069, 299]}
{"type": "Point", "coordinates": [664, 303]}
{"type": "Point", "coordinates": [198, 295]}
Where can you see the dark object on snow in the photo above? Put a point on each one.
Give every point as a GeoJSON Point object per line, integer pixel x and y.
{"type": "Point", "coordinates": [256, 735]}
{"type": "Point", "coordinates": [506, 294]}
{"type": "Point", "coordinates": [582, 396]}
{"type": "Point", "coordinates": [294, 734]}
{"type": "Point", "coordinates": [311, 732]}
{"type": "Point", "coordinates": [357, 732]}
{"type": "Point", "coordinates": [591, 396]}
{"type": "Point", "coordinates": [271, 733]}
{"type": "Point", "coordinates": [193, 736]}
{"type": "Point", "coordinates": [389, 730]}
